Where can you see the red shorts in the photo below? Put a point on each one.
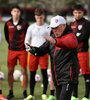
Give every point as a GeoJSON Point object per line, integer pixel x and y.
{"type": "Point", "coordinates": [83, 58]}
{"type": "Point", "coordinates": [13, 56]}
{"type": "Point", "coordinates": [34, 61]}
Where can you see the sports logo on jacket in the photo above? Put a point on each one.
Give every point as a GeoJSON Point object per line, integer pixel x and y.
{"type": "Point", "coordinates": [19, 27]}
{"type": "Point", "coordinates": [80, 27]}
{"type": "Point", "coordinates": [78, 34]}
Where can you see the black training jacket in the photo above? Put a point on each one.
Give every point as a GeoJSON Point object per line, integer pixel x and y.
{"type": "Point", "coordinates": [64, 63]}
{"type": "Point", "coordinates": [15, 34]}
{"type": "Point", "coordinates": [81, 29]}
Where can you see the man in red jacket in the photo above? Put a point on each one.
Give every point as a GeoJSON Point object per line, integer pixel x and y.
{"type": "Point", "coordinates": [62, 49]}
{"type": "Point", "coordinates": [81, 28]}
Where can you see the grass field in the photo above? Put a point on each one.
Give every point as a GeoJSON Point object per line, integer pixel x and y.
{"type": "Point", "coordinates": [18, 90]}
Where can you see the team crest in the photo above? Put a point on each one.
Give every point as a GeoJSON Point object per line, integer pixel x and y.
{"type": "Point", "coordinates": [18, 27]}
{"type": "Point", "coordinates": [79, 27]}
{"type": "Point", "coordinates": [78, 34]}
{"type": "Point", "coordinates": [56, 20]}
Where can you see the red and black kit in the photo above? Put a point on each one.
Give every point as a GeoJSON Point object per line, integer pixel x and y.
{"type": "Point", "coordinates": [15, 34]}
{"type": "Point", "coordinates": [81, 29]}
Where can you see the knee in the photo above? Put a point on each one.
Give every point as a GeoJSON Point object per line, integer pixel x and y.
{"type": "Point", "coordinates": [10, 71]}
{"type": "Point", "coordinates": [24, 71]}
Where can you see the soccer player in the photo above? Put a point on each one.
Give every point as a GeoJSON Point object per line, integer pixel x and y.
{"type": "Point", "coordinates": [35, 37]}
{"type": "Point", "coordinates": [62, 49]}
{"type": "Point", "coordinates": [15, 31]}
{"type": "Point", "coordinates": [81, 28]}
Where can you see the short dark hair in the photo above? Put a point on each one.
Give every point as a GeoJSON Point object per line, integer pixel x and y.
{"type": "Point", "coordinates": [78, 7]}
{"type": "Point", "coordinates": [15, 6]}
{"type": "Point", "coordinates": [39, 11]}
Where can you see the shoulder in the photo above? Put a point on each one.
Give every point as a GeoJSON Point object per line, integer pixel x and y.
{"type": "Point", "coordinates": [87, 21]}
{"type": "Point", "coordinates": [31, 27]}
{"type": "Point", "coordinates": [73, 23]}
{"type": "Point", "coordinates": [24, 21]}
{"type": "Point", "coordinates": [8, 22]}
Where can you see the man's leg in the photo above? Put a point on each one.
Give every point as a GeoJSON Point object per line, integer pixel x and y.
{"type": "Point", "coordinates": [43, 61]}
{"type": "Point", "coordinates": [66, 92]}
{"type": "Point", "coordinates": [45, 83]}
{"type": "Point", "coordinates": [52, 89]}
{"type": "Point", "coordinates": [58, 92]}
{"type": "Point", "coordinates": [33, 65]}
{"type": "Point", "coordinates": [32, 82]}
{"type": "Point", "coordinates": [10, 82]}
{"type": "Point", "coordinates": [45, 80]}
{"type": "Point", "coordinates": [75, 91]}
{"type": "Point", "coordinates": [25, 80]}
{"type": "Point", "coordinates": [87, 85]}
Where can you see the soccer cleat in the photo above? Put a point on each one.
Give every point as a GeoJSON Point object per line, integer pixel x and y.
{"type": "Point", "coordinates": [51, 97]}
{"type": "Point", "coordinates": [74, 98]}
{"type": "Point", "coordinates": [2, 97]}
{"type": "Point", "coordinates": [44, 97]}
{"type": "Point", "coordinates": [30, 97]}
{"type": "Point", "coordinates": [85, 98]}
{"type": "Point", "coordinates": [10, 96]}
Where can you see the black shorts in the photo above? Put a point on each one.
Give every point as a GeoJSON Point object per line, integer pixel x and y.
{"type": "Point", "coordinates": [63, 92]}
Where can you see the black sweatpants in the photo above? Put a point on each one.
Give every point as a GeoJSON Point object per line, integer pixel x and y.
{"type": "Point", "coordinates": [63, 92]}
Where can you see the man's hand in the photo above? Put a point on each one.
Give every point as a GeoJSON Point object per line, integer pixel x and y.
{"type": "Point", "coordinates": [50, 39]}
{"type": "Point", "coordinates": [27, 46]}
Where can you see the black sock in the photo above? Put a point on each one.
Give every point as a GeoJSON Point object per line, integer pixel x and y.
{"type": "Point", "coordinates": [10, 91]}
{"type": "Point", "coordinates": [32, 82]}
{"type": "Point", "coordinates": [0, 91]}
{"type": "Point", "coordinates": [87, 85]}
{"type": "Point", "coordinates": [52, 92]}
{"type": "Point", "coordinates": [45, 80]}
{"type": "Point", "coordinates": [75, 90]}
{"type": "Point", "coordinates": [25, 92]}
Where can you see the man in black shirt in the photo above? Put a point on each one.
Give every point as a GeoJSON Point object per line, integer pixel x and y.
{"type": "Point", "coordinates": [15, 31]}
{"type": "Point", "coordinates": [81, 28]}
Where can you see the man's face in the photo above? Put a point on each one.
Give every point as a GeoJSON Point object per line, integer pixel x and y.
{"type": "Point", "coordinates": [59, 30]}
{"type": "Point", "coordinates": [39, 19]}
{"type": "Point", "coordinates": [15, 13]}
{"type": "Point", "coordinates": [78, 14]}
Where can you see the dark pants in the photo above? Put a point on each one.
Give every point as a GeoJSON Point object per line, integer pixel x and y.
{"type": "Point", "coordinates": [63, 92]}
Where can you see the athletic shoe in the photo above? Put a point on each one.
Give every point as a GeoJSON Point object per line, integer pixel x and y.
{"type": "Point", "coordinates": [44, 97]}
{"type": "Point", "coordinates": [85, 98]}
{"type": "Point", "coordinates": [51, 97]}
{"type": "Point", "coordinates": [30, 97]}
{"type": "Point", "coordinates": [2, 97]}
{"type": "Point", "coordinates": [10, 96]}
{"type": "Point", "coordinates": [74, 98]}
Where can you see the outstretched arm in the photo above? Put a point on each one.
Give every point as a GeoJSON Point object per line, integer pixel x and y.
{"type": "Point", "coordinates": [68, 41]}
{"type": "Point", "coordinates": [42, 50]}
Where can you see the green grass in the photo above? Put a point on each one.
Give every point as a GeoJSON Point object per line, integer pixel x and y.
{"type": "Point", "coordinates": [18, 90]}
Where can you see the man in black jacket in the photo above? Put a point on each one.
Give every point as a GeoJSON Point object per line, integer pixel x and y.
{"type": "Point", "coordinates": [62, 49]}
{"type": "Point", "coordinates": [81, 28]}
{"type": "Point", "coordinates": [15, 31]}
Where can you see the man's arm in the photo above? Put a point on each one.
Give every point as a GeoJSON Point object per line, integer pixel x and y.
{"type": "Point", "coordinates": [6, 33]}
{"type": "Point", "coordinates": [68, 41]}
{"type": "Point", "coordinates": [42, 50]}
{"type": "Point", "coordinates": [28, 36]}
